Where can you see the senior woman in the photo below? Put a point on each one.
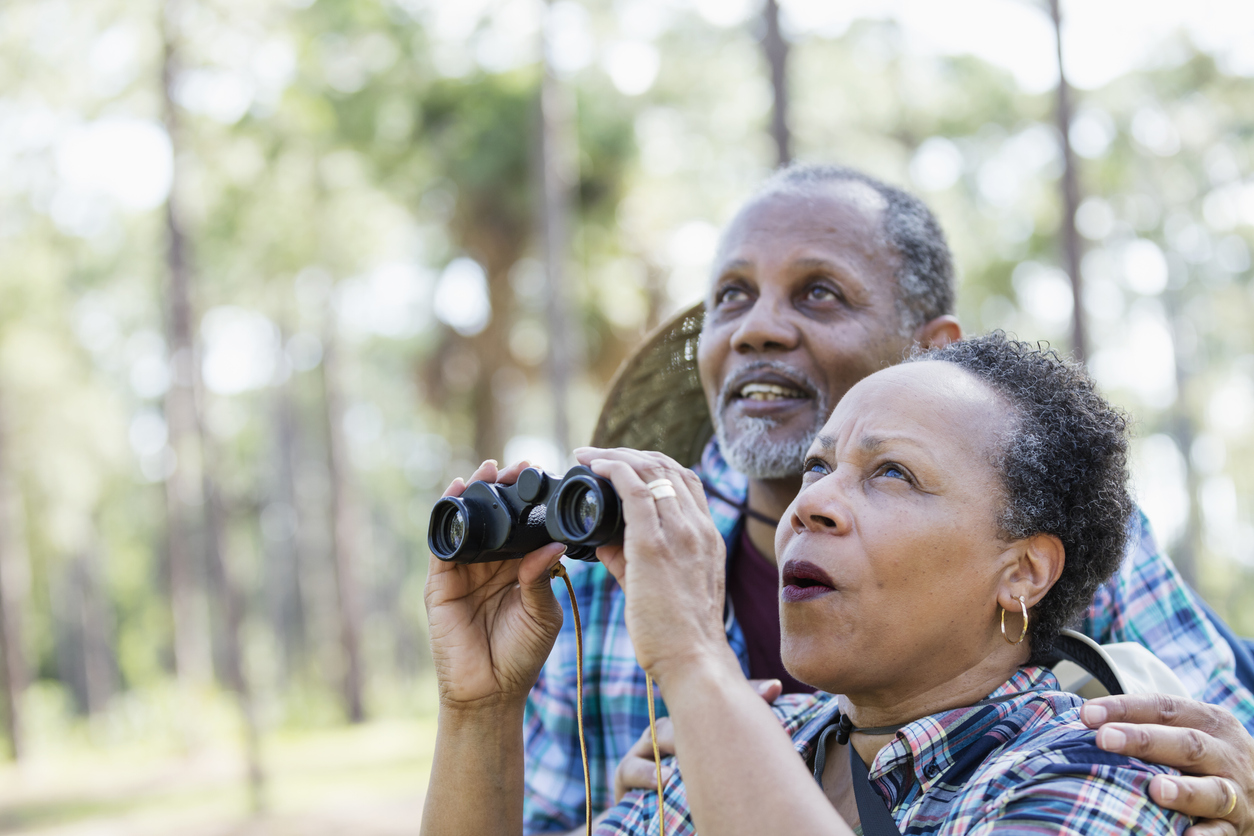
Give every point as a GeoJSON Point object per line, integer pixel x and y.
{"type": "Point", "coordinates": [947, 500]}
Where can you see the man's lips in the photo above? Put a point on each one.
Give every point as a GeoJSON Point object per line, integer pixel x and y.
{"type": "Point", "coordinates": [803, 581]}
{"type": "Point", "coordinates": [762, 384]}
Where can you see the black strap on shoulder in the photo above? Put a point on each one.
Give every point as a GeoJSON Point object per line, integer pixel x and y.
{"type": "Point", "coordinates": [876, 820]}
{"type": "Point", "coordinates": [874, 815]}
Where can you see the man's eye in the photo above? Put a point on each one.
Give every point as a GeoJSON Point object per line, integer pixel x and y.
{"type": "Point", "coordinates": [730, 295]}
{"type": "Point", "coordinates": [823, 293]}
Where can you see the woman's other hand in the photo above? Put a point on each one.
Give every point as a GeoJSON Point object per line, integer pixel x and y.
{"type": "Point", "coordinates": [1205, 742]}
{"type": "Point", "coordinates": [492, 625]}
{"type": "Point", "coordinates": [672, 561]}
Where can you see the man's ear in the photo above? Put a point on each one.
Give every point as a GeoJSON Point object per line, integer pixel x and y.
{"type": "Point", "coordinates": [1037, 565]}
{"type": "Point", "coordinates": [939, 332]}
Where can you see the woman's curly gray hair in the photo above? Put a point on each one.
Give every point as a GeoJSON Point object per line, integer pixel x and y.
{"type": "Point", "coordinates": [1064, 469]}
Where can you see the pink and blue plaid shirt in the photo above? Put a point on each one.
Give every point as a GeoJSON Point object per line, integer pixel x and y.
{"type": "Point", "coordinates": [1146, 602]}
{"type": "Point", "coordinates": [1023, 767]}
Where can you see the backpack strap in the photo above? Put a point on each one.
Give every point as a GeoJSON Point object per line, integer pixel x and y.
{"type": "Point", "coordinates": [1092, 670]}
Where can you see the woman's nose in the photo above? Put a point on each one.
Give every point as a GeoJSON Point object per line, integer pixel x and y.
{"type": "Point", "coordinates": [820, 508]}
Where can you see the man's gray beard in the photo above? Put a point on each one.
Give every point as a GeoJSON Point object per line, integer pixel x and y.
{"type": "Point", "coordinates": [758, 456]}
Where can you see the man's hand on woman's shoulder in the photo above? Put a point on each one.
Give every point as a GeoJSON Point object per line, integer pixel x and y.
{"type": "Point", "coordinates": [1205, 742]}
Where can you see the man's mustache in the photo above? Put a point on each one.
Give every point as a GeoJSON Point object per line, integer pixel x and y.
{"type": "Point", "coordinates": [755, 370]}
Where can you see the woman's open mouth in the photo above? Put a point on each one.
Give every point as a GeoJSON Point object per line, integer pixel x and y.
{"type": "Point", "coordinates": [802, 581]}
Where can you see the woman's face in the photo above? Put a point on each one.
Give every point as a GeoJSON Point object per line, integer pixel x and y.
{"type": "Point", "coordinates": [890, 556]}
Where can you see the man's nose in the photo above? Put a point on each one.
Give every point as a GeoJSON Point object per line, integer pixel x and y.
{"type": "Point", "coordinates": [765, 327]}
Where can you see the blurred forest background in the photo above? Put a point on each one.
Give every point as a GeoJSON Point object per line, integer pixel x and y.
{"type": "Point", "coordinates": [275, 271]}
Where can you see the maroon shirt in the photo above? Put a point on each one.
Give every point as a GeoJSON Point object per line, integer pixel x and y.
{"type": "Point", "coordinates": [753, 586]}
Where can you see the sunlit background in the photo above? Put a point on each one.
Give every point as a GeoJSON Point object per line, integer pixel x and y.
{"type": "Point", "coordinates": [273, 273]}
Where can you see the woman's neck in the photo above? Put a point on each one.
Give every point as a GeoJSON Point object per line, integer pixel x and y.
{"type": "Point", "coordinates": [900, 706]}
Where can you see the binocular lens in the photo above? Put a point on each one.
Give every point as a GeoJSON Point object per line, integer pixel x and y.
{"type": "Point", "coordinates": [456, 531]}
{"type": "Point", "coordinates": [587, 511]}
{"type": "Point", "coordinates": [449, 527]}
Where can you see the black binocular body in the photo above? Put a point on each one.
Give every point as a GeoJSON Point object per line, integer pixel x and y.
{"type": "Point", "coordinates": [504, 522]}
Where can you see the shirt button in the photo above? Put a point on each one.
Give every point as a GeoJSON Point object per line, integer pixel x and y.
{"type": "Point", "coordinates": [931, 770]}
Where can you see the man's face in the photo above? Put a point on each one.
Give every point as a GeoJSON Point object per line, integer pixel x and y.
{"type": "Point", "coordinates": [802, 307]}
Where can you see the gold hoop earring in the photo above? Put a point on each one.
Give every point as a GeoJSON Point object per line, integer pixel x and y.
{"type": "Point", "coordinates": [1022, 635]}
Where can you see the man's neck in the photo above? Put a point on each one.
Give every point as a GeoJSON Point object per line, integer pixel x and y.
{"type": "Point", "coordinates": [772, 498]}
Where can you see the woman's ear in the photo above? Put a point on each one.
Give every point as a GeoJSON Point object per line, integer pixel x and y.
{"type": "Point", "coordinates": [1038, 563]}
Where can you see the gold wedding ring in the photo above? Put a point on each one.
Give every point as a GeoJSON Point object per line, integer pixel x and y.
{"type": "Point", "coordinates": [1229, 788]}
{"type": "Point", "coordinates": [661, 488]}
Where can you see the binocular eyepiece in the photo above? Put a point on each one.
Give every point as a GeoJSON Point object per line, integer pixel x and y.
{"type": "Point", "coordinates": [503, 522]}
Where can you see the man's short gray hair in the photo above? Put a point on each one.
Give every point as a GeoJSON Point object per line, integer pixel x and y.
{"type": "Point", "coordinates": [925, 277]}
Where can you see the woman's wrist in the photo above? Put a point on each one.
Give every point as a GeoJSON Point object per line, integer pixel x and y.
{"type": "Point", "coordinates": [492, 709]}
{"type": "Point", "coordinates": [697, 670]}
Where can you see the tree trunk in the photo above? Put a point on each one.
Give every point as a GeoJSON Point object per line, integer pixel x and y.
{"type": "Point", "coordinates": [1183, 432]}
{"type": "Point", "coordinates": [191, 642]}
{"type": "Point", "coordinates": [776, 49]}
{"type": "Point", "coordinates": [1070, 198]}
{"type": "Point", "coordinates": [281, 530]}
{"type": "Point", "coordinates": [188, 438]}
{"type": "Point", "coordinates": [557, 177]}
{"type": "Point", "coordinates": [96, 629]}
{"type": "Point", "coordinates": [14, 591]}
{"type": "Point", "coordinates": [345, 527]}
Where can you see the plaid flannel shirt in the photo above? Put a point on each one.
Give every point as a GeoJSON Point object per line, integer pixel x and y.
{"type": "Point", "coordinates": [1146, 602]}
{"type": "Point", "coordinates": [1023, 766]}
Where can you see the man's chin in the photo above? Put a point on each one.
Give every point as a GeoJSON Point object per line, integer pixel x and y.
{"type": "Point", "coordinates": [761, 457]}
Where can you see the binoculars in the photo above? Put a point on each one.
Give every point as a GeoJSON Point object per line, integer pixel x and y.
{"type": "Point", "coordinates": [504, 522]}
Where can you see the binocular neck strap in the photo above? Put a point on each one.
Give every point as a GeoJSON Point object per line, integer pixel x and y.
{"type": "Point", "coordinates": [742, 507]}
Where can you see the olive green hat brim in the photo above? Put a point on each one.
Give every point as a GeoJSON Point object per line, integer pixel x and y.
{"type": "Point", "coordinates": [656, 401]}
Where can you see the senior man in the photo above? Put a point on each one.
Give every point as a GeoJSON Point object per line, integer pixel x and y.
{"type": "Point", "coordinates": [825, 276]}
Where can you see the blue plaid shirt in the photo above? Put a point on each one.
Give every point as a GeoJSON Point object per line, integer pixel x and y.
{"type": "Point", "coordinates": [1023, 766]}
{"type": "Point", "coordinates": [1146, 602]}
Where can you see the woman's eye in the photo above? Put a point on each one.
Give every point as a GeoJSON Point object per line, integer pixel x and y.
{"type": "Point", "coordinates": [893, 471]}
{"type": "Point", "coordinates": [814, 467]}
{"type": "Point", "coordinates": [730, 295]}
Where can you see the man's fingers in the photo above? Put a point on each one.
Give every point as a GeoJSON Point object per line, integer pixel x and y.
{"type": "Point", "coordinates": [1213, 827]}
{"type": "Point", "coordinates": [1188, 750]}
{"type": "Point", "coordinates": [1162, 709]}
{"type": "Point", "coordinates": [768, 689]}
{"type": "Point", "coordinates": [1202, 798]}
{"type": "Point", "coordinates": [638, 774]}
{"type": "Point", "coordinates": [665, 741]}
{"type": "Point", "coordinates": [637, 770]}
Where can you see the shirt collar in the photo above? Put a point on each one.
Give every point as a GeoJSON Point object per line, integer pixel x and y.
{"type": "Point", "coordinates": [714, 469]}
{"type": "Point", "coordinates": [931, 745]}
